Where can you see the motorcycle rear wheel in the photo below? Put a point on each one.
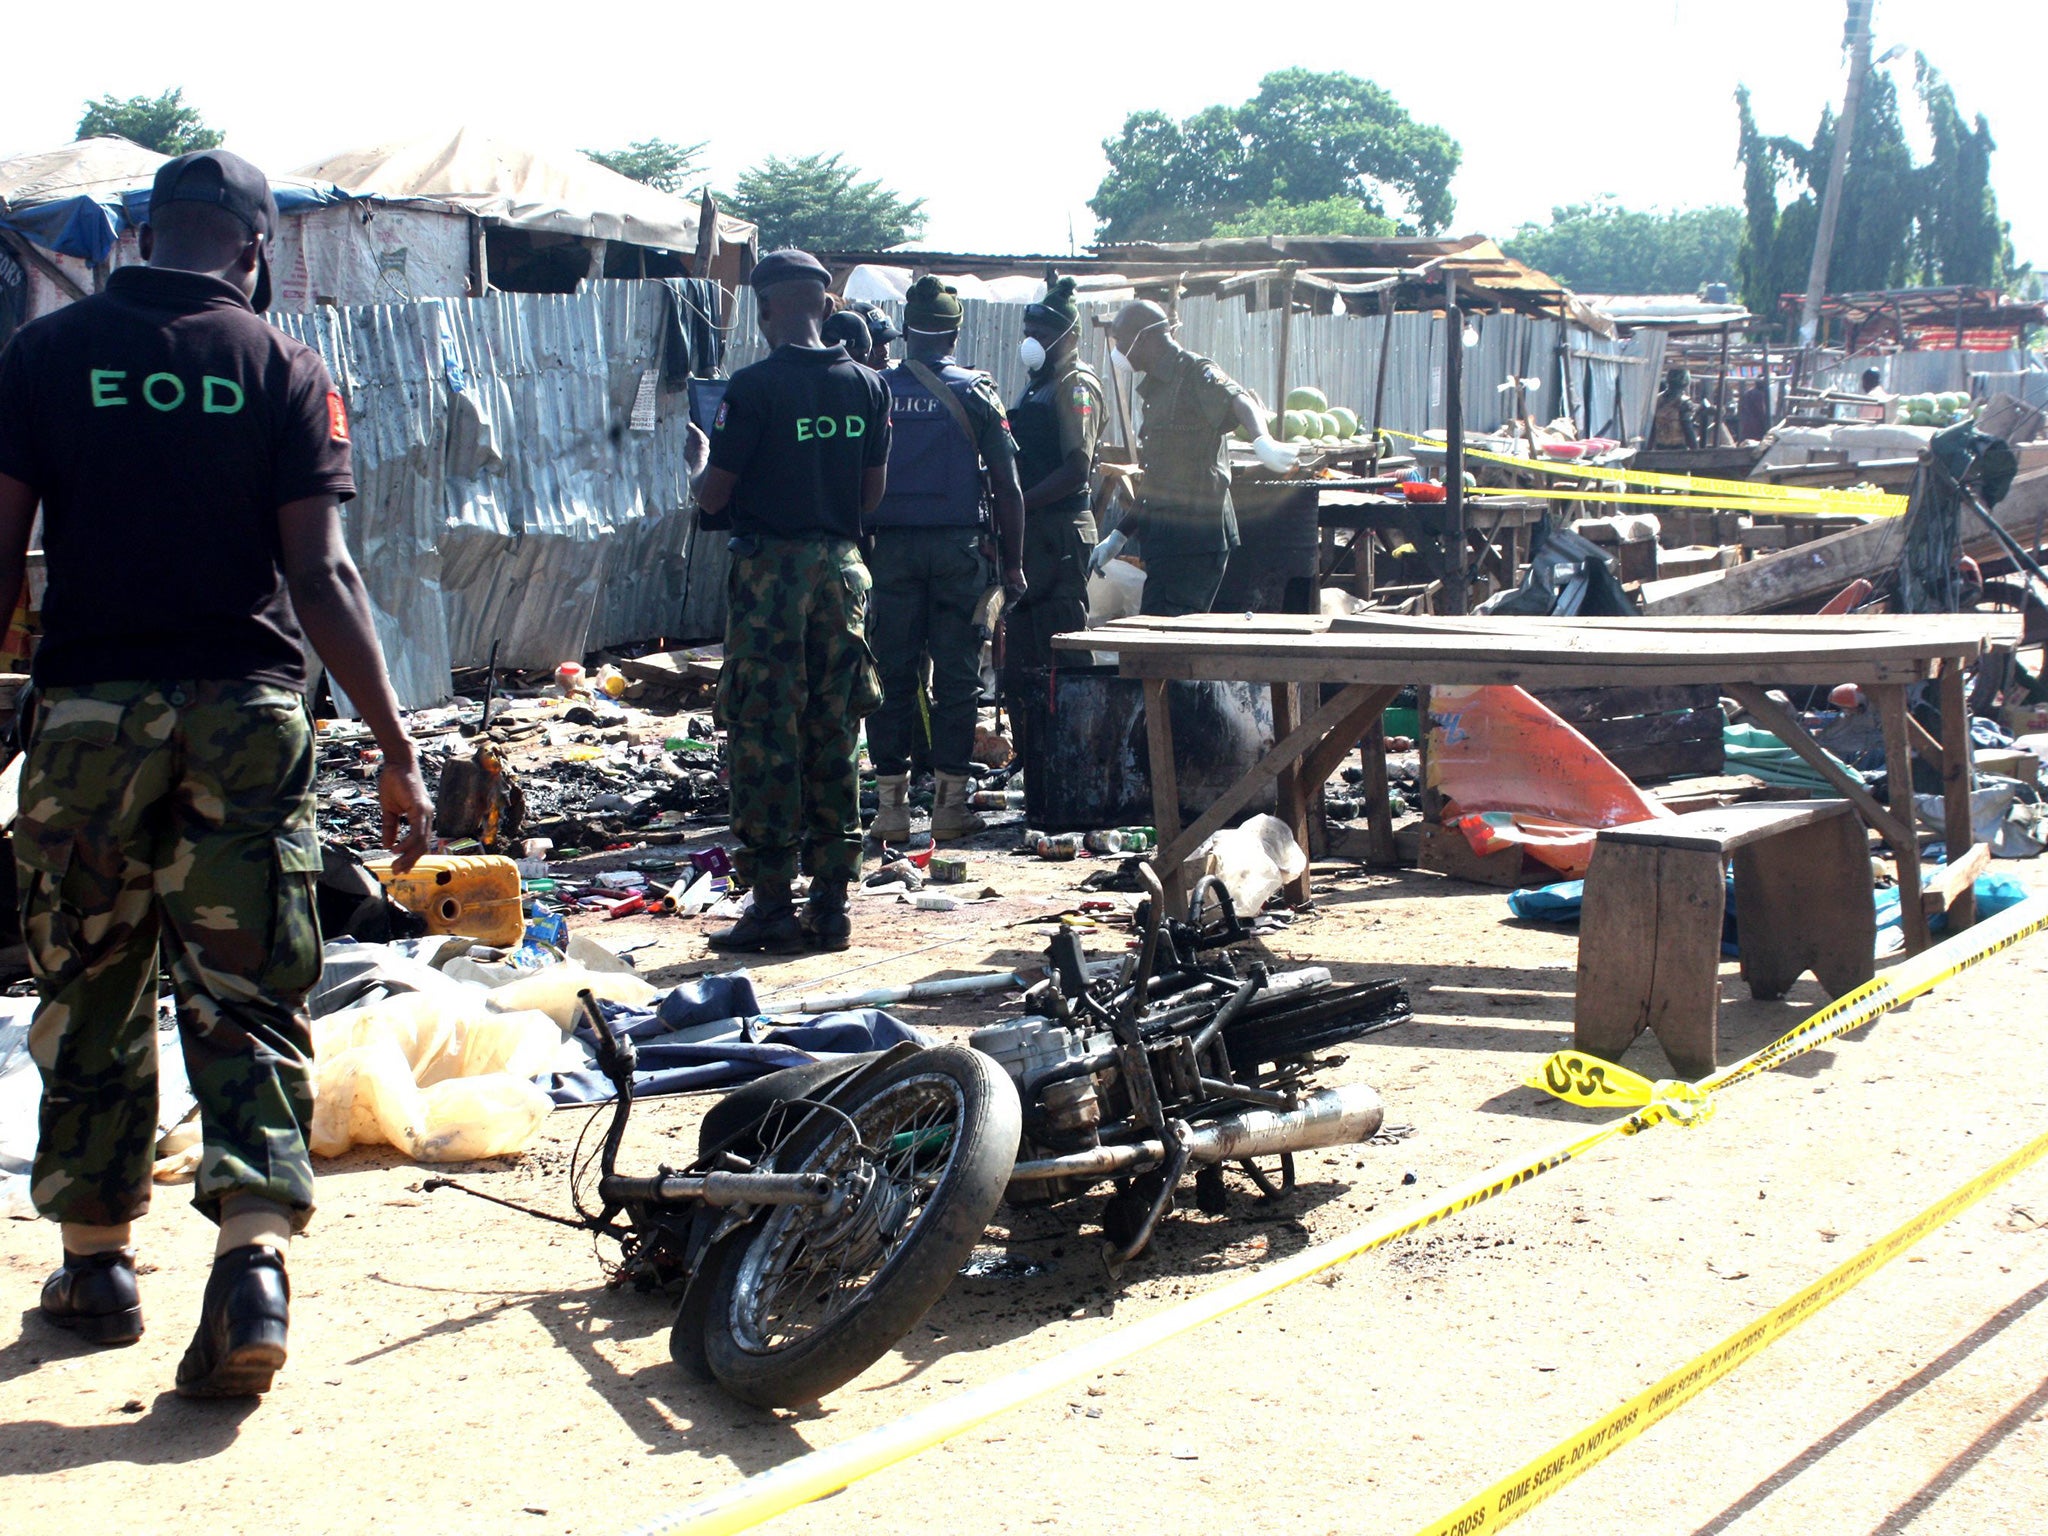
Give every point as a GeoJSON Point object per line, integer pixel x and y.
{"type": "Point", "coordinates": [814, 1298]}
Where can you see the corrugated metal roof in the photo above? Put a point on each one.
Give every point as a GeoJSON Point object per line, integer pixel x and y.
{"type": "Point", "coordinates": [502, 493]}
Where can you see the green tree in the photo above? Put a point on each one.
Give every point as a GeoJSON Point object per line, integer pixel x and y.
{"type": "Point", "coordinates": [820, 203]}
{"type": "Point", "coordinates": [1899, 224]}
{"type": "Point", "coordinates": [1962, 238]}
{"type": "Point", "coordinates": [162, 123]}
{"type": "Point", "coordinates": [1604, 248]}
{"type": "Point", "coordinates": [1306, 138]}
{"type": "Point", "coordinates": [1326, 216]}
{"type": "Point", "coordinates": [661, 163]}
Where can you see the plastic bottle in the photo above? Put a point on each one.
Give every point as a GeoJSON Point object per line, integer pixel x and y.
{"type": "Point", "coordinates": [571, 679]}
{"type": "Point", "coordinates": [997, 799]}
{"type": "Point", "coordinates": [611, 681]}
{"type": "Point", "coordinates": [1067, 845]}
{"type": "Point", "coordinates": [475, 895]}
{"type": "Point", "coordinates": [1109, 840]}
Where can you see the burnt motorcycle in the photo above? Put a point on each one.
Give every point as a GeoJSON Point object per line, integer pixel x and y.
{"type": "Point", "coordinates": [1175, 1060]}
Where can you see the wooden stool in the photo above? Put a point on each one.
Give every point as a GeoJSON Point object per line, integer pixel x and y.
{"type": "Point", "coordinates": [1650, 930]}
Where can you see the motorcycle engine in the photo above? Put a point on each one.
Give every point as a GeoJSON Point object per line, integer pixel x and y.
{"type": "Point", "coordinates": [1062, 1115]}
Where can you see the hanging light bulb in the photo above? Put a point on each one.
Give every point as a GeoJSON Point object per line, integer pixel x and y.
{"type": "Point", "coordinates": [1471, 334]}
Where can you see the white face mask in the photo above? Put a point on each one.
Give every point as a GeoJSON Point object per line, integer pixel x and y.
{"type": "Point", "coordinates": [1031, 353]}
{"type": "Point", "coordinates": [1119, 364]}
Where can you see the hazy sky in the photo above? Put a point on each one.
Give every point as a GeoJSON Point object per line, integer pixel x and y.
{"type": "Point", "coordinates": [1552, 103]}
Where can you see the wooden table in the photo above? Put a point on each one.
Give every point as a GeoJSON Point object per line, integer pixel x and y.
{"type": "Point", "coordinates": [1369, 658]}
{"type": "Point", "coordinates": [1497, 533]}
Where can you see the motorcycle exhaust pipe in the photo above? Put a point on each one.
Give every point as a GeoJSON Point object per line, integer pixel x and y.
{"type": "Point", "coordinates": [1329, 1117]}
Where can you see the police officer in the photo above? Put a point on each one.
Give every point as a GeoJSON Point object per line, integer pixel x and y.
{"type": "Point", "coordinates": [189, 460]}
{"type": "Point", "coordinates": [1185, 520]}
{"type": "Point", "coordinates": [951, 456]}
{"type": "Point", "coordinates": [882, 333]}
{"type": "Point", "coordinates": [798, 452]}
{"type": "Point", "coordinates": [1057, 423]}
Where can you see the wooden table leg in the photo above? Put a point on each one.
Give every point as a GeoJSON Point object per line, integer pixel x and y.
{"type": "Point", "coordinates": [1292, 794]}
{"type": "Point", "coordinates": [1957, 780]}
{"type": "Point", "coordinates": [1165, 785]}
{"type": "Point", "coordinates": [1890, 699]}
{"type": "Point", "coordinates": [1379, 810]}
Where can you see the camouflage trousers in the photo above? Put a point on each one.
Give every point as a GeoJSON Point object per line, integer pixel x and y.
{"type": "Point", "coordinates": [798, 677]}
{"type": "Point", "coordinates": [172, 817]}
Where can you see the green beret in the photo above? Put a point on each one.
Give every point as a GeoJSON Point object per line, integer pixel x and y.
{"type": "Point", "coordinates": [932, 306]}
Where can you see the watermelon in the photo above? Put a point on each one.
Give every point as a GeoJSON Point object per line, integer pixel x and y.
{"type": "Point", "coordinates": [1347, 421]}
{"type": "Point", "coordinates": [1307, 398]}
{"type": "Point", "coordinates": [1296, 425]}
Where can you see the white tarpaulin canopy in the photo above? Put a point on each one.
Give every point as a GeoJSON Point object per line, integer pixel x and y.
{"type": "Point", "coordinates": [562, 192]}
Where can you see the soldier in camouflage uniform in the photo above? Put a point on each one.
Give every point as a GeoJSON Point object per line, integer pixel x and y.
{"type": "Point", "coordinates": [1185, 520]}
{"type": "Point", "coordinates": [797, 452]}
{"type": "Point", "coordinates": [189, 460]}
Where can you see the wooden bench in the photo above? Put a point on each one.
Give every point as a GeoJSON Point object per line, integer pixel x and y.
{"type": "Point", "coordinates": [1650, 929]}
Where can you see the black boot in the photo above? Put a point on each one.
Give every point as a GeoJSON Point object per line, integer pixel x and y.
{"type": "Point", "coordinates": [769, 926]}
{"type": "Point", "coordinates": [94, 1296]}
{"type": "Point", "coordinates": [241, 1338]}
{"type": "Point", "coordinates": [825, 921]}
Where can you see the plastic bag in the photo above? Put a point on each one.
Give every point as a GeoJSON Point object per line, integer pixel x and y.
{"type": "Point", "coordinates": [1253, 861]}
{"type": "Point", "coordinates": [440, 1077]}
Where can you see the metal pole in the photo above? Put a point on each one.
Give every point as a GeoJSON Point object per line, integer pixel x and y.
{"type": "Point", "coordinates": [1838, 167]}
{"type": "Point", "coordinates": [1721, 391]}
{"type": "Point", "coordinates": [1454, 444]}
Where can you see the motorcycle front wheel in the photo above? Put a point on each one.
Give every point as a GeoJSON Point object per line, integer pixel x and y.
{"type": "Point", "coordinates": [922, 1155]}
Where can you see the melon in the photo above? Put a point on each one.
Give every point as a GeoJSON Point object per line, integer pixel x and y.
{"type": "Point", "coordinates": [1307, 398]}
{"type": "Point", "coordinates": [1295, 424]}
{"type": "Point", "coordinates": [1347, 421]}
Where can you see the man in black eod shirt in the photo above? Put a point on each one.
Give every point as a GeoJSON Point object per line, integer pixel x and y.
{"type": "Point", "coordinates": [798, 453]}
{"type": "Point", "coordinates": [189, 460]}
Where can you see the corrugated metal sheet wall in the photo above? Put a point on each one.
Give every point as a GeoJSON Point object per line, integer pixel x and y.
{"type": "Point", "coordinates": [1917, 373]}
{"type": "Point", "coordinates": [503, 494]}
{"type": "Point", "coordinates": [1340, 355]}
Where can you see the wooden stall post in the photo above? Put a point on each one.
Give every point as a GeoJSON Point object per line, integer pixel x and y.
{"type": "Point", "coordinates": [1287, 271]}
{"type": "Point", "coordinates": [1957, 779]}
{"type": "Point", "coordinates": [1379, 384]}
{"type": "Point", "coordinates": [1898, 757]}
{"type": "Point", "coordinates": [1454, 446]}
{"type": "Point", "coordinates": [1291, 793]}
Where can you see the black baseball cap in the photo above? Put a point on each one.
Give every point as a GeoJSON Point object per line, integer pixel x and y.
{"type": "Point", "coordinates": [226, 181]}
{"type": "Point", "coordinates": [880, 327]}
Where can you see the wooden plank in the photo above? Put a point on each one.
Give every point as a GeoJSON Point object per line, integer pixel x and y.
{"type": "Point", "coordinates": [1803, 902]}
{"type": "Point", "coordinates": [1650, 952]}
{"type": "Point", "coordinates": [1379, 811]}
{"type": "Point", "coordinates": [1669, 759]}
{"type": "Point", "coordinates": [1445, 851]}
{"type": "Point", "coordinates": [1898, 757]}
{"type": "Point", "coordinates": [1323, 760]}
{"type": "Point", "coordinates": [1925, 744]}
{"type": "Point", "coordinates": [1291, 794]}
{"type": "Point", "coordinates": [1173, 851]}
{"type": "Point", "coordinates": [1165, 789]}
{"type": "Point", "coordinates": [1958, 883]}
{"type": "Point", "coordinates": [1622, 651]}
{"type": "Point", "coordinates": [1782, 725]}
{"type": "Point", "coordinates": [1957, 780]}
{"type": "Point", "coordinates": [1727, 828]}
{"type": "Point", "coordinates": [1315, 669]}
{"type": "Point", "coordinates": [1576, 706]}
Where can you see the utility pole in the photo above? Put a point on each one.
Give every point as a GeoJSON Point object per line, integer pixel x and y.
{"type": "Point", "coordinates": [1856, 37]}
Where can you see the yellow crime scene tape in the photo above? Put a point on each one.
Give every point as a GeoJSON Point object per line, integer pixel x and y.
{"type": "Point", "coordinates": [1879, 503]}
{"type": "Point", "coordinates": [1583, 1079]}
{"type": "Point", "coordinates": [1667, 501]}
{"type": "Point", "coordinates": [1536, 1480]}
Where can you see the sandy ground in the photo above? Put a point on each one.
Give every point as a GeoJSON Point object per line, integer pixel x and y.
{"type": "Point", "coordinates": [457, 1368]}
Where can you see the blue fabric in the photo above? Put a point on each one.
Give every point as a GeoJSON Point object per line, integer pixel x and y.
{"type": "Point", "coordinates": [71, 226]}
{"type": "Point", "coordinates": [709, 1033]}
{"type": "Point", "coordinates": [291, 196]}
{"type": "Point", "coordinates": [1549, 903]}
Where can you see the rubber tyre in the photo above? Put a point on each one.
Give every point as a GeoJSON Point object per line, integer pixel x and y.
{"type": "Point", "coordinates": [914, 1277]}
{"type": "Point", "coordinates": [750, 1101]}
